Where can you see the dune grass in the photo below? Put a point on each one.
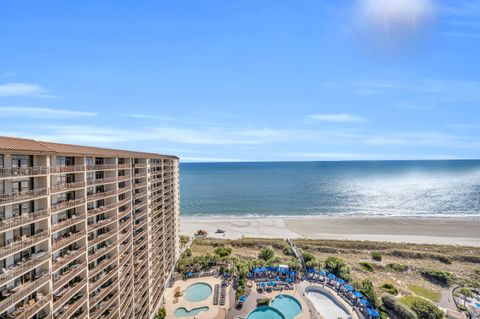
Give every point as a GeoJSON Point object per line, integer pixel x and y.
{"type": "Point", "coordinates": [433, 295]}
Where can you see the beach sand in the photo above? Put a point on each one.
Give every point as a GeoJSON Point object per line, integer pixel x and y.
{"type": "Point", "coordinates": [449, 231]}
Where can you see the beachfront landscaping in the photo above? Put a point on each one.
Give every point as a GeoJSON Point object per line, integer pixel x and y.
{"type": "Point", "coordinates": [369, 279]}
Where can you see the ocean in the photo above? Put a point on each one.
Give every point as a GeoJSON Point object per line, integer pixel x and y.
{"type": "Point", "coordinates": [369, 188]}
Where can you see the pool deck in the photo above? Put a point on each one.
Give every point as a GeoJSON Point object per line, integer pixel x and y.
{"type": "Point", "coordinates": [251, 303]}
{"type": "Point", "coordinates": [172, 303]}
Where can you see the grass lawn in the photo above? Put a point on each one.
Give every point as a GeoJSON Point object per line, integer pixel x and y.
{"type": "Point", "coordinates": [433, 295]}
{"type": "Point", "coordinates": [408, 300]}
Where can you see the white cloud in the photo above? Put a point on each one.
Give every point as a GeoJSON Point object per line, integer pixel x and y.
{"type": "Point", "coordinates": [22, 89]}
{"type": "Point", "coordinates": [425, 138]}
{"type": "Point", "coordinates": [151, 117]}
{"type": "Point", "coordinates": [41, 112]}
{"type": "Point", "coordinates": [340, 117]}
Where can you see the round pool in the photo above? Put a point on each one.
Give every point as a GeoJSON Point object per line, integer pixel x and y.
{"type": "Point", "coordinates": [197, 292]}
{"type": "Point", "coordinates": [289, 306]}
{"type": "Point", "coordinates": [265, 312]}
{"type": "Point", "coordinates": [183, 312]}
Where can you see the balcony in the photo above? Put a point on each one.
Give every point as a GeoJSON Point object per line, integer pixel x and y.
{"type": "Point", "coordinates": [140, 165]}
{"type": "Point", "coordinates": [22, 243]}
{"type": "Point", "coordinates": [66, 187]}
{"type": "Point", "coordinates": [67, 258]}
{"type": "Point", "coordinates": [105, 180]}
{"type": "Point", "coordinates": [107, 305]}
{"type": "Point", "coordinates": [67, 169]}
{"type": "Point", "coordinates": [124, 165]}
{"type": "Point", "coordinates": [32, 307]}
{"type": "Point", "coordinates": [102, 209]}
{"type": "Point", "coordinates": [72, 308]}
{"type": "Point", "coordinates": [67, 293]}
{"type": "Point", "coordinates": [101, 266]}
{"type": "Point", "coordinates": [103, 237]}
{"type": "Point", "coordinates": [19, 292]}
{"type": "Point", "coordinates": [23, 195]}
{"type": "Point", "coordinates": [22, 267]}
{"type": "Point", "coordinates": [104, 277]}
{"type": "Point", "coordinates": [75, 219]}
{"type": "Point", "coordinates": [101, 167]}
{"type": "Point", "coordinates": [101, 195]}
{"type": "Point", "coordinates": [67, 239]}
{"type": "Point", "coordinates": [124, 178]}
{"type": "Point", "coordinates": [23, 171]}
{"type": "Point", "coordinates": [67, 204]}
{"type": "Point", "coordinates": [102, 251]}
{"type": "Point", "coordinates": [74, 271]}
{"type": "Point", "coordinates": [23, 219]}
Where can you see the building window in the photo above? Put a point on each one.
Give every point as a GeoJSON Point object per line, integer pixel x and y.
{"type": "Point", "coordinates": [89, 161]}
{"type": "Point", "coordinates": [1, 160]}
{"type": "Point", "coordinates": [20, 161]}
{"type": "Point", "coordinates": [65, 161]}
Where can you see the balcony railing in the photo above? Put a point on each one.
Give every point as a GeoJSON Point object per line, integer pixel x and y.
{"type": "Point", "coordinates": [100, 238]}
{"type": "Point", "coordinates": [101, 180]}
{"type": "Point", "coordinates": [100, 195]}
{"type": "Point", "coordinates": [64, 241]}
{"type": "Point", "coordinates": [67, 169]}
{"type": "Point", "coordinates": [23, 195]}
{"type": "Point", "coordinates": [65, 260]}
{"type": "Point", "coordinates": [23, 171]}
{"type": "Point", "coordinates": [66, 186]}
{"type": "Point", "coordinates": [102, 251]}
{"type": "Point", "coordinates": [22, 243]}
{"type": "Point", "coordinates": [23, 219]}
{"type": "Point", "coordinates": [104, 277]}
{"type": "Point", "coordinates": [32, 308]}
{"type": "Point", "coordinates": [124, 178]}
{"type": "Point", "coordinates": [125, 165]}
{"type": "Point", "coordinates": [102, 209]}
{"type": "Point", "coordinates": [22, 291]}
{"type": "Point", "coordinates": [67, 204]}
{"type": "Point", "coordinates": [68, 293]}
{"type": "Point", "coordinates": [100, 167]}
{"type": "Point", "coordinates": [73, 308]}
{"type": "Point", "coordinates": [68, 222]}
{"type": "Point", "coordinates": [23, 267]}
{"type": "Point", "coordinates": [67, 276]}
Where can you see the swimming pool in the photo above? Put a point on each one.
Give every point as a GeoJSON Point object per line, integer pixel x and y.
{"type": "Point", "coordinates": [197, 292]}
{"type": "Point", "coordinates": [325, 304]}
{"type": "Point", "coordinates": [183, 312]}
{"type": "Point", "coordinates": [265, 312]}
{"type": "Point", "coordinates": [287, 305]}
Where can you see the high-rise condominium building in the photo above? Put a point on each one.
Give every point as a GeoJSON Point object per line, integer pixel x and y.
{"type": "Point", "coordinates": [85, 232]}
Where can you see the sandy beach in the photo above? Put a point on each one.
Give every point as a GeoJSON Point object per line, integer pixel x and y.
{"type": "Point", "coordinates": [450, 231]}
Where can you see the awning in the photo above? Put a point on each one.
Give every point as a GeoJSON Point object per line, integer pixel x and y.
{"type": "Point", "coordinates": [358, 294]}
{"type": "Point", "coordinates": [372, 312]}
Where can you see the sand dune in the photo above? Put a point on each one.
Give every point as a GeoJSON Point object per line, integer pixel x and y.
{"type": "Point", "coordinates": [452, 231]}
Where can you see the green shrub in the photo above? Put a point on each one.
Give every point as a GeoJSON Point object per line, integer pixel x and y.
{"type": "Point", "coordinates": [162, 313]}
{"type": "Point", "coordinates": [444, 278]}
{"type": "Point", "coordinates": [223, 251]}
{"type": "Point", "coordinates": [426, 309]}
{"type": "Point", "coordinates": [376, 256]}
{"type": "Point", "coordinates": [367, 289]}
{"type": "Point", "coordinates": [287, 250]}
{"type": "Point", "coordinates": [266, 253]}
{"type": "Point", "coordinates": [401, 311]}
{"type": "Point", "coordinates": [338, 267]}
{"type": "Point", "coordinates": [367, 266]}
{"type": "Point", "coordinates": [391, 289]}
{"type": "Point", "coordinates": [398, 267]}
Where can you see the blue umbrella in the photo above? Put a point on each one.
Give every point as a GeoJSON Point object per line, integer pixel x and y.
{"type": "Point", "coordinates": [341, 281]}
{"type": "Point", "coordinates": [372, 312]}
{"type": "Point", "coordinates": [331, 276]}
{"type": "Point", "coordinates": [358, 294]}
{"type": "Point", "coordinates": [277, 279]}
{"type": "Point", "coordinates": [273, 283]}
{"type": "Point", "coordinates": [364, 302]}
{"type": "Point", "coordinates": [242, 299]}
{"type": "Point", "coordinates": [292, 273]}
{"type": "Point", "coordinates": [322, 272]}
{"type": "Point", "coordinates": [263, 284]}
{"type": "Point", "coordinates": [349, 288]}
{"type": "Point", "coordinates": [256, 269]}
{"type": "Point", "coordinates": [263, 269]}
{"type": "Point", "coordinates": [189, 274]}
{"type": "Point", "coordinates": [289, 280]}
{"type": "Point", "coordinates": [311, 270]}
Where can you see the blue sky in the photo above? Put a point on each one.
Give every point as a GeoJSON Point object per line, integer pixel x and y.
{"type": "Point", "coordinates": [246, 80]}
